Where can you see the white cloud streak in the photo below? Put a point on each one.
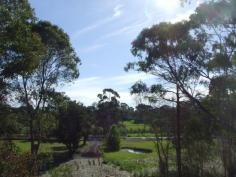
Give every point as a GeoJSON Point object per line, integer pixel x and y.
{"type": "Point", "coordinates": [91, 48]}
{"type": "Point", "coordinates": [124, 30]}
{"type": "Point", "coordinates": [117, 12]}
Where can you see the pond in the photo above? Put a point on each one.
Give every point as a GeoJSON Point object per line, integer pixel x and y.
{"type": "Point", "coordinates": [136, 151]}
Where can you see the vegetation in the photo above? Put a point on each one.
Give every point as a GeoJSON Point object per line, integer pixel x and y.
{"type": "Point", "coordinates": [24, 146]}
{"type": "Point", "coordinates": [113, 140]}
{"type": "Point", "coordinates": [22, 163]}
{"type": "Point", "coordinates": [131, 126]}
{"type": "Point", "coordinates": [132, 129]}
{"type": "Point", "coordinates": [191, 132]}
{"type": "Point", "coordinates": [130, 161]}
{"type": "Point", "coordinates": [107, 109]}
{"type": "Point", "coordinates": [69, 131]}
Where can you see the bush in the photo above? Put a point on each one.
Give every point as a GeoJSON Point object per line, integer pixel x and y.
{"type": "Point", "coordinates": [113, 140]}
{"type": "Point", "coordinates": [13, 164]}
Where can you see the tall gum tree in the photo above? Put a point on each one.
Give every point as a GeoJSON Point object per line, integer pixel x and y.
{"type": "Point", "coordinates": [160, 119]}
{"type": "Point", "coordinates": [204, 49]}
{"type": "Point", "coordinates": [217, 22]}
{"type": "Point", "coordinates": [108, 112]}
{"type": "Point", "coordinates": [56, 66]}
{"type": "Point", "coordinates": [19, 45]}
{"type": "Point", "coordinates": [160, 51]}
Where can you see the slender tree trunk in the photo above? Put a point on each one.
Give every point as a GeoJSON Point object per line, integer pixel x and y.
{"type": "Point", "coordinates": [178, 137]}
{"type": "Point", "coordinates": [32, 136]}
{"type": "Point", "coordinates": [85, 138]}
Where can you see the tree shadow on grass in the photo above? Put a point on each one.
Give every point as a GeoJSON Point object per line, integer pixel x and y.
{"type": "Point", "coordinates": [50, 160]}
{"type": "Point", "coordinates": [59, 148]}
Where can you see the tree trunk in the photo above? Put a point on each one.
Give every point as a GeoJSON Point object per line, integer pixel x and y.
{"type": "Point", "coordinates": [32, 136]}
{"type": "Point", "coordinates": [178, 137]}
{"type": "Point", "coordinates": [85, 139]}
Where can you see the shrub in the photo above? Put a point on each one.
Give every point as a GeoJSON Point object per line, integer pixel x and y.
{"type": "Point", "coordinates": [13, 164]}
{"type": "Point", "coordinates": [113, 140]}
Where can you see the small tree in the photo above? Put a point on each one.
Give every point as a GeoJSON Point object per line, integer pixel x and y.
{"type": "Point", "coordinates": [113, 140]}
{"type": "Point", "coordinates": [70, 122]}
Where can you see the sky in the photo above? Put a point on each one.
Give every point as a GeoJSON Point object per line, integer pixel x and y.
{"type": "Point", "coordinates": [101, 32]}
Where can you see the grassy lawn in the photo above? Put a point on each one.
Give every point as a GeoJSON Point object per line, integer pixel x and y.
{"type": "Point", "coordinates": [131, 125]}
{"type": "Point", "coordinates": [130, 161]}
{"type": "Point", "coordinates": [24, 146]}
{"type": "Point", "coordinates": [51, 154]}
{"type": "Point", "coordinates": [137, 130]}
{"type": "Point", "coordinates": [140, 135]}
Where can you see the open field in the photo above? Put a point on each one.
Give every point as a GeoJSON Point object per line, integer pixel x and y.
{"type": "Point", "coordinates": [137, 130]}
{"type": "Point", "coordinates": [130, 161]}
{"type": "Point", "coordinates": [131, 125]}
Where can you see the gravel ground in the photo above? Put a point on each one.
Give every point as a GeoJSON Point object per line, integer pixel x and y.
{"type": "Point", "coordinates": [92, 167]}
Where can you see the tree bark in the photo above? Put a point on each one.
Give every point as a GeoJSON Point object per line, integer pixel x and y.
{"type": "Point", "coordinates": [178, 137]}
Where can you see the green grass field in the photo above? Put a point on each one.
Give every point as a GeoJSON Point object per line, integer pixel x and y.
{"type": "Point", "coordinates": [130, 161]}
{"type": "Point", "coordinates": [24, 146]}
{"type": "Point", "coordinates": [130, 125]}
{"type": "Point", "coordinates": [140, 135]}
{"type": "Point", "coordinates": [50, 154]}
{"type": "Point", "coordinates": [137, 130]}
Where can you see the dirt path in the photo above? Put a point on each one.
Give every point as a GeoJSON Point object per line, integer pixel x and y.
{"type": "Point", "coordinates": [91, 167]}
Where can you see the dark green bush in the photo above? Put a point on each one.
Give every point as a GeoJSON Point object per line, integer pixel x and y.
{"type": "Point", "coordinates": [113, 140]}
{"type": "Point", "coordinates": [15, 164]}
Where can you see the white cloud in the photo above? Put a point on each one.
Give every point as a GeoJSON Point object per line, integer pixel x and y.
{"type": "Point", "coordinates": [182, 16]}
{"type": "Point", "coordinates": [117, 12]}
{"type": "Point", "coordinates": [85, 90]}
{"type": "Point", "coordinates": [124, 30]}
{"type": "Point", "coordinates": [91, 48]}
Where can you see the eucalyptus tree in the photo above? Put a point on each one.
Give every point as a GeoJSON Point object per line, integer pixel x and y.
{"type": "Point", "coordinates": [88, 123]}
{"type": "Point", "coordinates": [160, 51]}
{"type": "Point", "coordinates": [126, 111]}
{"type": "Point", "coordinates": [108, 109]}
{"type": "Point", "coordinates": [19, 51]}
{"type": "Point", "coordinates": [161, 119]}
{"type": "Point", "coordinates": [57, 65]}
{"type": "Point", "coordinates": [19, 45]}
{"type": "Point", "coordinates": [216, 23]}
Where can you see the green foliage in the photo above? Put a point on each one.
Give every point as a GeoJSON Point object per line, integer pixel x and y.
{"type": "Point", "coordinates": [13, 164]}
{"type": "Point", "coordinates": [70, 125]}
{"type": "Point", "coordinates": [35, 57]}
{"type": "Point", "coordinates": [186, 55]}
{"type": "Point", "coordinates": [113, 140]}
{"type": "Point", "coordinates": [9, 123]}
{"type": "Point", "coordinates": [199, 148]}
{"type": "Point", "coordinates": [108, 112]}
{"type": "Point", "coordinates": [19, 47]}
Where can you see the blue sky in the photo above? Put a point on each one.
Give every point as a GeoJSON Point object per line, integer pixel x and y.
{"type": "Point", "coordinates": [101, 31]}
